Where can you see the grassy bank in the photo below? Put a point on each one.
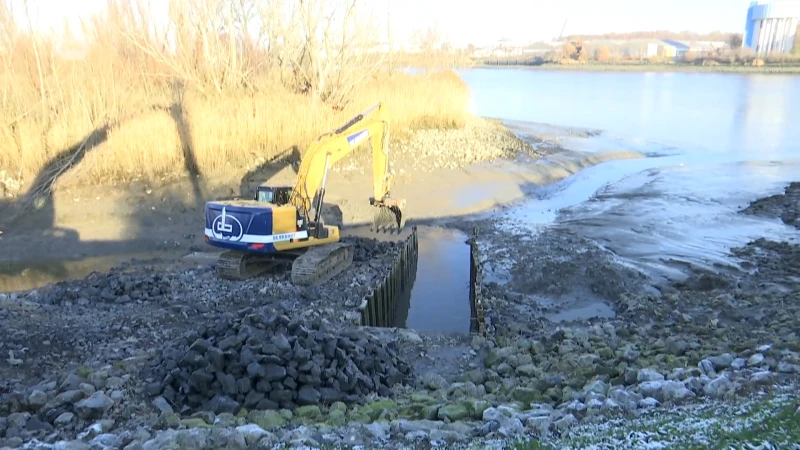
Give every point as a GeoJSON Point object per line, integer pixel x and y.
{"type": "Point", "coordinates": [603, 67]}
{"type": "Point", "coordinates": [769, 418]}
{"type": "Point", "coordinates": [122, 110]}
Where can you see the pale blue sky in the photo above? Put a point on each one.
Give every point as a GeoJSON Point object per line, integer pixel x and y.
{"type": "Point", "coordinates": [479, 21]}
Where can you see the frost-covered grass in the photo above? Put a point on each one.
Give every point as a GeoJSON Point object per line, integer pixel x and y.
{"type": "Point", "coordinates": [766, 421]}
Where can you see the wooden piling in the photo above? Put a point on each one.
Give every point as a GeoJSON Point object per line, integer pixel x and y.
{"type": "Point", "coordinates": [378, 309]}
{"type": "Point", "coordinates": [477, 313]}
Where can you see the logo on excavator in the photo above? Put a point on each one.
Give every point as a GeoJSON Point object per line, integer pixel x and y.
{"type": "Point", "coordinates": [227, 227]}
{"type": "Point", "coordinates": [355, 139]}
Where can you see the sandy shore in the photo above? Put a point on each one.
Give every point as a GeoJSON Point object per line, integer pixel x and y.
{"type": "Point", "coordinates": [162, 354]}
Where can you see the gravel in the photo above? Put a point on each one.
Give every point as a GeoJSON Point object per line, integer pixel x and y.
{"type": "Point", "coordinates": [481, 140]}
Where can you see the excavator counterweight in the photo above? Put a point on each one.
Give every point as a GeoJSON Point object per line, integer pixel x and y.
{"type": "Point", "coordinates": [283, 224]}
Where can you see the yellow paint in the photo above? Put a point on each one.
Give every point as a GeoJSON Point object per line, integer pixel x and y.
{"type": "Point", "coordinates": [284, 219]}
{"type": "Point", "coordinates": [328, 150]}
{"type": "Point", "coordinates": [336, 146]}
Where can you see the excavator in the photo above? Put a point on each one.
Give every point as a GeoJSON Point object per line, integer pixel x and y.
{"type": "Point", "coordinates": [284, 224]}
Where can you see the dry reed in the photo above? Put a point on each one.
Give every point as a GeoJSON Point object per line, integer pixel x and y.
{"type": "Point", "coordinates": [149, 124]}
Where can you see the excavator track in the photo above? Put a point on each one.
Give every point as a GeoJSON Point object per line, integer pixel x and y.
{"type": "Point", "coordinates": [235, 265]}
{"type": "Point", "coordinates": [320, 264]}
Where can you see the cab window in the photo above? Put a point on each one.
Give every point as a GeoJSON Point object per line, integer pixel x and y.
{"type": "Point", "coordinates": [265, 196]}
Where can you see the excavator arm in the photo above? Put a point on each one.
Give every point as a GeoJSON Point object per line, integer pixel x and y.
{"type": "Point", "coordinates": [330, 148]}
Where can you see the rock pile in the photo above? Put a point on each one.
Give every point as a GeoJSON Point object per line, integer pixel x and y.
{"type": "Point", "coordinates": [372, 250]}
{"type": "Point", "coordinates": [267, 362]}
{"type": "Point", "coordinates": [60, 404]}
{"type": "Point", "coordinates": [112, 287]}
{"type": "Point", "coordinates": [424, 150]}
{"type": "Point", "coordinates": [478, 141]}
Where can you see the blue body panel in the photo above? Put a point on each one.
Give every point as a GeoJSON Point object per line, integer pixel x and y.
{"type": "Point", "coordinates": [239, 227]}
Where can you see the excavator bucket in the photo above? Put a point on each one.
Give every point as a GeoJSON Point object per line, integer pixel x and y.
{"type": "Point", "coordinates": [389, 215]}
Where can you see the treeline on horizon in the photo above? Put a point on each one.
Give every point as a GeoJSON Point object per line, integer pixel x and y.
{"type": "Point", "coordinates": [717, 36]}
{"type": "Point", "coordinates": [629, 49]}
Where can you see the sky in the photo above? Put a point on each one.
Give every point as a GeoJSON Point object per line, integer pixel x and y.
{"type": "Point", "coordinates": [543, 19]}
{"type": "Point", "coordinates": [484, 21]}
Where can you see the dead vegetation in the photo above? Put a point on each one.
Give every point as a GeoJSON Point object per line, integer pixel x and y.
{"type": "Point", "coordinates": [215, 84]}
{"type": "Point", "coordinates": [578, 51]}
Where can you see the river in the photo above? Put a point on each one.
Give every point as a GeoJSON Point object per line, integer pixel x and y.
{"type": "Point", "coordinates": [744, 115]}
{"type": "Point", "coordinates": [715, 142]}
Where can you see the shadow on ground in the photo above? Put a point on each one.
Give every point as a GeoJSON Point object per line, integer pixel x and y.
{"type": "Point", "coordinates": [36, 248]}
{"type": "Point", "coordinates": [35, 209]}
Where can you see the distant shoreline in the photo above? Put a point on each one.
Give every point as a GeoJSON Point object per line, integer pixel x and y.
{"type": "Point", "coordinates": [785, 70]}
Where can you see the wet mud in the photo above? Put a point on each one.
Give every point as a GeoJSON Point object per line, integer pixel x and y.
{"type": "Point", "coordinates": [556, 275]}
{"type": "Point", "coordinates": [666, 223]}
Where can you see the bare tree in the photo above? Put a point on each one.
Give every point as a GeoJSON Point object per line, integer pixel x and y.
{"type": "Point", "coordinates": [735, 41]}
{"type": "Point", "coordinates": [9, 34]}
{"type": "Point", "coordinates": [429, 39]}
{"type": "Point", "coordinates": [429, 43]}
{"type": "Point", "coordinates": [39, 70]}
{"type": "Point", "coordinates": [351, 54]}
{"type": "Point", "coordinates": [8, 28]}
{"type": "Point", "coordinates": [326, 46]}
{"type": "Point", "coordinates": [323, 48]}
{"type": "Point", "coordinates": [8, 40]}
{"type": "Point", "coordinates": [202, 43]}
{"type": "Point", "coordinates": [272, 25]}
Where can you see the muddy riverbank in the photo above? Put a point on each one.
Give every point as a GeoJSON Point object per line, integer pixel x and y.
{"type": "Point", "coordinates": [441, 174]}
{"type": "Point", "coordinates": [162, 354]}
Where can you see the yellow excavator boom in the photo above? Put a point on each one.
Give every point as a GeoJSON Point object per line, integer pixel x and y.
{"type": "Point", "coordinates": [330, 148]}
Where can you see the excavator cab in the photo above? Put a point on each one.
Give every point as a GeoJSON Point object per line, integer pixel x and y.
{"type": "Point", "coordinates": [277, 195]}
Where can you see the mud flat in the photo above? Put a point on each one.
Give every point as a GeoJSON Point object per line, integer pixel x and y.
{"type": "Point", "coordinates": [601, 338]}
{"type": "Point", "coordinates": [162, 354]}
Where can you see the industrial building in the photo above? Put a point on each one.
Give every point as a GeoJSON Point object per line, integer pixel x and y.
{"type": "Point", "coordinates": [772, 26]}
